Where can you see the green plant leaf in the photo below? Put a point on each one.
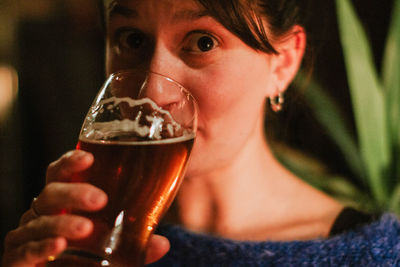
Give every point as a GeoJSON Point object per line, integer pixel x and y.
{"type": "Point", "coordinates": [390, 72]}
{"type": "Point", "coordinates": [391, 80]}
{"type": "Point", "coordinates": [328, 114]}
{"type": "Point", "coordinates": [394, 203]}
{"type": "Point", "coordinates": [367, 98]}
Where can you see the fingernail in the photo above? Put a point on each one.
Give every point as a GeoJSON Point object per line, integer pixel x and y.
{"type": "Point", "coordinates": [81, 226]}
{"type": "Point", "coordinates": [97, 198]}
{"type": "Point", "coordinates": [79, 154]}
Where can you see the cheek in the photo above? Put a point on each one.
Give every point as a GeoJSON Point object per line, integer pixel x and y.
{"type": "Point", "coordinates": [114, 62]}
{"type": "Point", "coordinates": [231, 99]}
{"type": "Point", "coordinates": [236, 84]}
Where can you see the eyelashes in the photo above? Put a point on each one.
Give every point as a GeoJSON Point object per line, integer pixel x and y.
{"type": "Point", "coordinates": [130, 41]}
{"type": "Point", "coordinates": [200, 42]}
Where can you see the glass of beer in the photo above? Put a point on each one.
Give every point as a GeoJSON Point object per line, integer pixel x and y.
{"type": "Point", "coordinates": [140, 129]}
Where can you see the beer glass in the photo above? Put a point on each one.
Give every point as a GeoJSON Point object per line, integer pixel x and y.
{"type": "Point", "coordinates": [140, 129]}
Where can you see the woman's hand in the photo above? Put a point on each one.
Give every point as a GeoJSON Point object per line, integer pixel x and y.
{"type": "Point", "coordinates": [44, 230]}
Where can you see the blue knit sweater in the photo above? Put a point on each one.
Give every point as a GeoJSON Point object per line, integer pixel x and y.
{"type": "Point", "coordinates": [375, 244]}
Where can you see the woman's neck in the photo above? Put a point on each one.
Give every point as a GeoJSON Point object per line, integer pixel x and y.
{"type": "Point", "coordinates": [254, 198]}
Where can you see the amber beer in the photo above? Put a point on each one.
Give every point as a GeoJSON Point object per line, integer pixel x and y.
{"type": "Point", "coordinates": [141, 180]}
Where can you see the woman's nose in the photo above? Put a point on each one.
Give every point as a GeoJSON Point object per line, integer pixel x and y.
{"type": "Point", "coordinates": [162, 60]}
{"type": "Point", "coordinates": [162, 90]}
{"type": "Point", "coordinates": [164, 69]}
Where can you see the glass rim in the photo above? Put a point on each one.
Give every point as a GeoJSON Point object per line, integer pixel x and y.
{"type": "Point", "coordinates": [183, 88]}
{"type": "Point", "coordinates": [123, 71]}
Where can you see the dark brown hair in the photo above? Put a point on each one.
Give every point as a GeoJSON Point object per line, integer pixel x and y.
{"type": "Point", "coordinates": [251, 20]}
{"type": "Point", "coordinates": [248, 19]}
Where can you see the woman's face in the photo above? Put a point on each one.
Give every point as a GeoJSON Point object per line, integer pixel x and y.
{"type": "Point", "coordinates": [229, 79]}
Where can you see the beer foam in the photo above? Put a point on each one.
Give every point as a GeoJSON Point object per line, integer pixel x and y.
{"type": "Point", "coordinates": [185, 137]}
{"type": "Point", "coordinates": [135, 103]}
{"type": "Point", "coordinates": [159, 123]}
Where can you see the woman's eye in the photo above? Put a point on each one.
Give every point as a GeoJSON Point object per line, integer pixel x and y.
{"type": "Point", "coordinates": [200, 42]}
{"type": "Point", "coordinates": [130, 39]}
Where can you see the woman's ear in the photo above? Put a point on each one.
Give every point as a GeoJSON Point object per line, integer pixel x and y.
{"type": "Point", "coordinates": [287, 62]}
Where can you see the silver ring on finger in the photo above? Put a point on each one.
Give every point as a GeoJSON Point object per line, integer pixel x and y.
{"type": "Point", "coordinates": [34, 209]}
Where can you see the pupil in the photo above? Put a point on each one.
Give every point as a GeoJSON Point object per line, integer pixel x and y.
{"type": "Point", "coordinates": [134, 40]}
{"type": "Point", "coordinates": [205, 43]}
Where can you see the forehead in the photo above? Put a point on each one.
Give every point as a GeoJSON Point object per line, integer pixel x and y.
{"type": "Point", "coordinates": [168, 6]}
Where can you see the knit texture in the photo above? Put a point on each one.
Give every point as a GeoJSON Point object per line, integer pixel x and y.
{"type": "Point", "coordinates": [375, 244]}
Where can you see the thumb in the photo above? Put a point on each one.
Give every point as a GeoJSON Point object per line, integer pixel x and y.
{"type": "Point", "coordinates": [158, 246]}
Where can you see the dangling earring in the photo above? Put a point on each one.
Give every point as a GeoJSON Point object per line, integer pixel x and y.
{"type": "Point", "coordinates": [276, 102]}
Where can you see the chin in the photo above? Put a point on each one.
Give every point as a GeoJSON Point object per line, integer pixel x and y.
{"type": "Point", "coordinates": [196, 167]}
{"type": "Point", "coordinates": [191, 168]}
{"type": "Point", "coordinates": [200, 166]}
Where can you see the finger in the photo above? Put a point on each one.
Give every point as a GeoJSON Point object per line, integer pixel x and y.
{"type": "Point", "coordinates": [69, 226]}
{"type": "Point", "coordinates": [70, 163]}
{"type": "Point", "coordinates": [61, 198]}
{"type": "Point", "coordinates": [34, 252]}
{"type": "Point", "coordinates": [158, 246]}
{"type": "Point", "coordinates": [31, 213]}
{"type": "Point", "coordinates": [27, 217]}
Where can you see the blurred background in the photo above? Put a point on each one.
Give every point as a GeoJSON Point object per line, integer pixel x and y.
{"type": "Point", "coordinates": [51, 66]}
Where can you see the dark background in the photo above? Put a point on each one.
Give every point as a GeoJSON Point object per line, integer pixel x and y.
{"type": "Point", "coordinates": [57, 50]}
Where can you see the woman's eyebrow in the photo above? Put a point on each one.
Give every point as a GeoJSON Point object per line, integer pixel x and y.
{"type": "Point", "coordinates": [186, 14]}
{"type": "Point", "coordinates": [117, 9]}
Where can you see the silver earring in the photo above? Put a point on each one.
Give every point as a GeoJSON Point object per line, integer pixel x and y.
{"type": "Point", "coordinates": [276, 102]}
